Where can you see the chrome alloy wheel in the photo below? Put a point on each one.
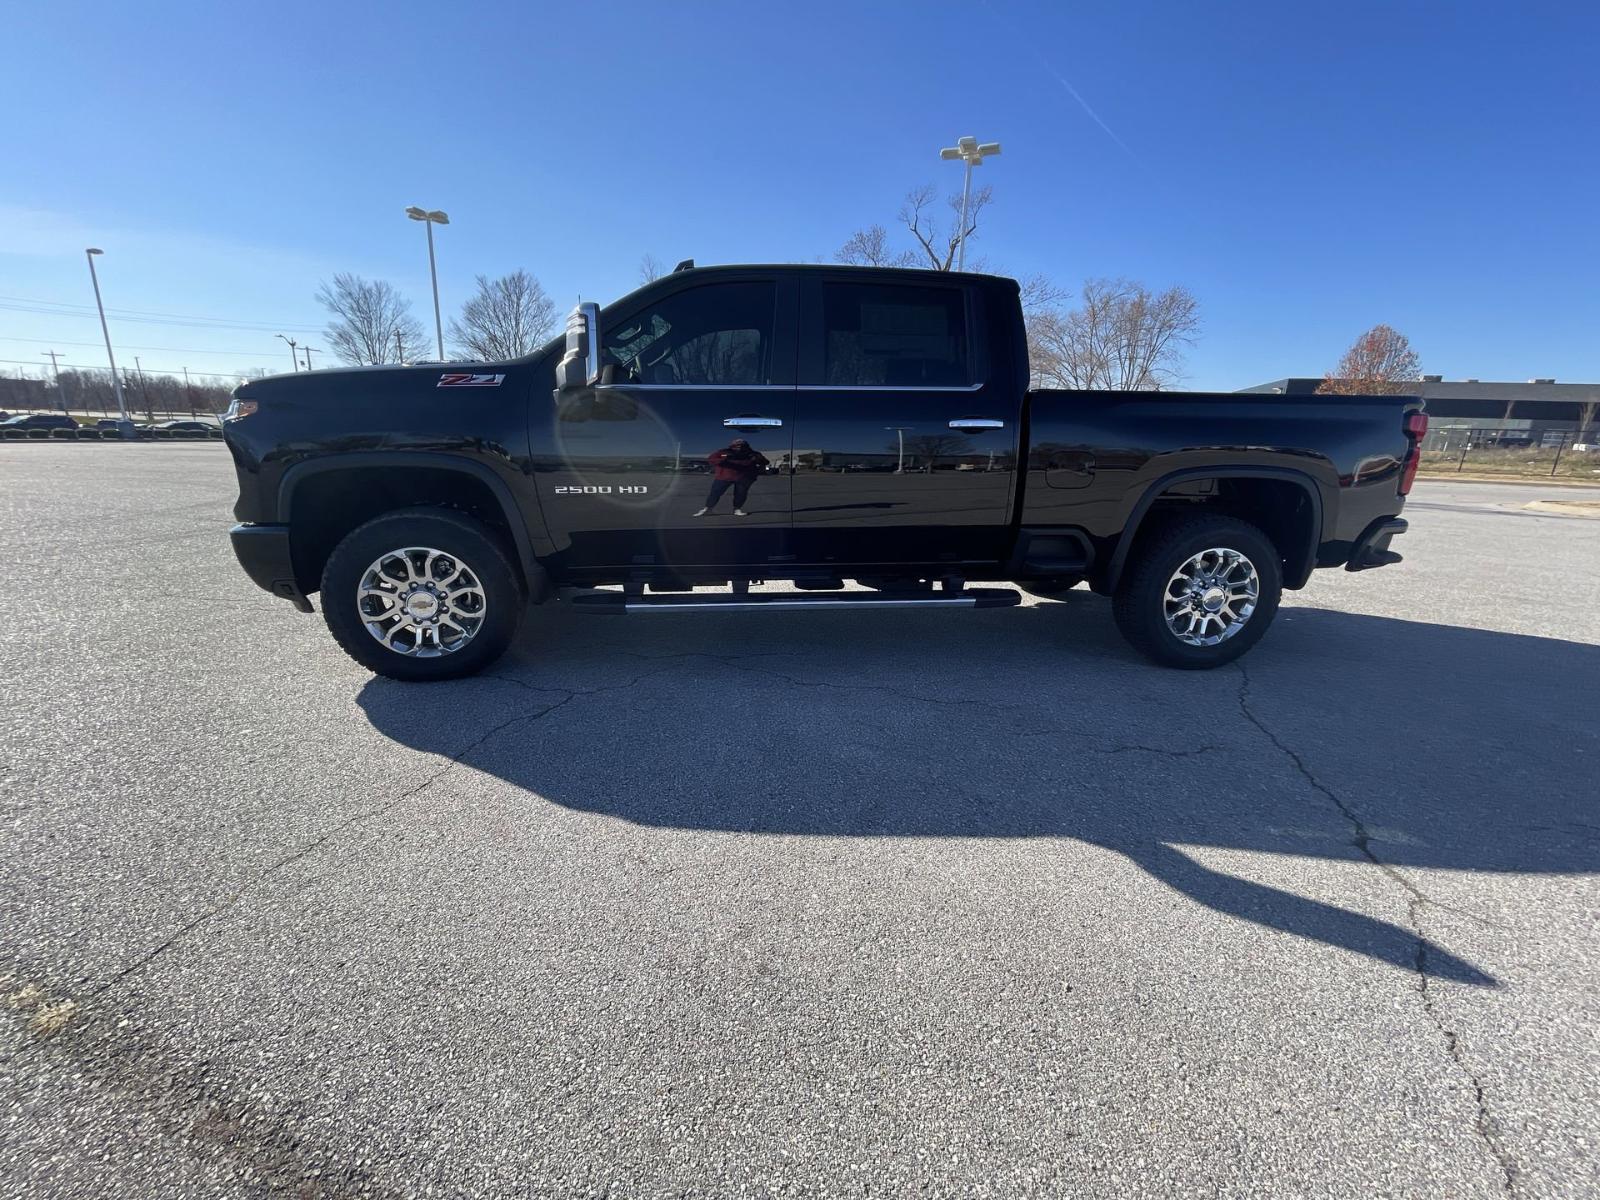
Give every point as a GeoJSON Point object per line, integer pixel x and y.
{"type": "Point", "coordinates": [1211, 596]}
{"type": "Point", "coordinates": [420, 602]}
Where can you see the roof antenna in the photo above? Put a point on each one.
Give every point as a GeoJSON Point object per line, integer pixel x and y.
{"type": "Point", "coordinates": [686, 265]}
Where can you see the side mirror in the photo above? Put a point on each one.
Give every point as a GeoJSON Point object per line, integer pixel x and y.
{"type": "Point", "coordinates": [580, 365]}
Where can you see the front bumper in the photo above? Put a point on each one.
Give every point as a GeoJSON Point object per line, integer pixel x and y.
{"type": "Point", "coordinates": [1372, 547]}
{"type": "Point", "coordinates": [263, 552]}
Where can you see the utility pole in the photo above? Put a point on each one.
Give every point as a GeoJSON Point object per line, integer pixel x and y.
{"type": "Point", "coordinates": [293, 357]}
{"type": "Point", "coordinates": [56, 371]}
{"type": "Point", "coordinates": [188, 391]}
{"type": "Point", "coordinates": [144, 389]}
{"type": "Point", "coordinates": [307, 350]}
{"type": "Point", "coordinates": [399, 348]}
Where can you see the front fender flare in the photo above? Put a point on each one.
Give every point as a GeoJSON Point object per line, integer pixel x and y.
{"type": "Point", "coordinates": [533, 572]}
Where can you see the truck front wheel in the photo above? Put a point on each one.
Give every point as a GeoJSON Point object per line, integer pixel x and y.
{"type": "Point", "coordinates": [421, 594]}
{"type": "Point", "coordinates": [1199, 592]}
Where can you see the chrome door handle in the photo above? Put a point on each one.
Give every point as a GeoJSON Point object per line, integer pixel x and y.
{"type": "Point", "coordinates": [970, 424]}
{"type": "Point", "coordinates": [752, 422]}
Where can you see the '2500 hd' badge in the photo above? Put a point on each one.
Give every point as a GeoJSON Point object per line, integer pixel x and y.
{"type": "Point", "coordinates": [463, 380]}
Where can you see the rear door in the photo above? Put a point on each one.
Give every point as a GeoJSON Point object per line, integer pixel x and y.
{"type": "Point", "coordinates": [904, 442]}
{"type": "Point", "coordinates": [685, 368]}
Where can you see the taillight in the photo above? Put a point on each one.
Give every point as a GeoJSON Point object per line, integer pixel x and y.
{"type": "Point", "coordinates": [1416, 429]}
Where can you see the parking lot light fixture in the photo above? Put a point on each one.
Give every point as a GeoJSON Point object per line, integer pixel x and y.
{"type": "Point", "coordinates": [124, 425]}
{"type": "Point", "coordinates": [430, 219]}
{"type": "Point", "coordinates": [972, 152]}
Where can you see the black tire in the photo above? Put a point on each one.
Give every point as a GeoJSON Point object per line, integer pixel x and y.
{"type": "Point", "coordinates": [1139, 605]}
{"type": "Point", "coordinates": [456, 536]}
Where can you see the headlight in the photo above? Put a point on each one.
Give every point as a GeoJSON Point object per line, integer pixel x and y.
{"type": "Point", "coordinates": [239, 408]}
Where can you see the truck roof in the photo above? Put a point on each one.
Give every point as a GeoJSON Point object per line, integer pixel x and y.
{"type": "Point", "coordinates": [914, 274]}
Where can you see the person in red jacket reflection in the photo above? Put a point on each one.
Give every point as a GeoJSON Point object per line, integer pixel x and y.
{"type": "Point", "coordinates": [735, 466]}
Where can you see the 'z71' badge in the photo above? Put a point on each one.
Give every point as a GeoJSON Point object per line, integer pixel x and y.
{"type": "Point", "coordinates": [471, 380]}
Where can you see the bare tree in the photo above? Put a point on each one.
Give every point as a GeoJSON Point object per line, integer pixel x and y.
{"type": "Point", "coordinates": [1122, 336]}
{"type": "Point", "coordinates": [870, 248]}
{"type": "Point", "coordinates": [372, 321]}
{"type": "Point", "coordinates": [507, 318]}
{"type": "Point", "coordinates": [1039, 293]}
{"type": "Point", "coordinates": [926, 450]}
{"type": "Point", "coordinates": [1380, 363]}
{"type": "Point", "coordinates": [940, 240]}
{"type": "Point", "coordinates": [937, 241]}
{"type": "Point", "coordinates": [651, 269]}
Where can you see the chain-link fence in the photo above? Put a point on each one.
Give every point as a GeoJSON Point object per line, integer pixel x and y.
{"type": "Point", "coordinates": [1512, 451]}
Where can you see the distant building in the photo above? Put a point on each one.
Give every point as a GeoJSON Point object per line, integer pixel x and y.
{"type": "Point", "coordinates": [1536, 407]}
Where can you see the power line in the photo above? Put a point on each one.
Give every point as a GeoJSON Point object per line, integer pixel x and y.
{"type": "Point", "coordinates": [50, 312]}
{"type": "Point", "coordinates": [58, 308]}
{"type": "Point", "coordinates": [168, 349]}
{"type": "Point", "coordinates": [126, 312]}
{"type": "Point", "coordinates": [172, 371]}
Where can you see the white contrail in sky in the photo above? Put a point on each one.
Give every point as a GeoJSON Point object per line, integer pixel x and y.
{"type": "Point", "coordinates": [1062, 80]}
{"type": "Point", "coordinates": [1094, 116]}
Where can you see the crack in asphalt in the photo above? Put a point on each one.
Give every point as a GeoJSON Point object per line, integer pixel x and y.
{"type": "Point", "coordinates": [1128, 748]}
{"type": "Point", "coordinates": [317, 843]}
{"type": "Point", "coordinates": [1417, 899]}
{"type": "Point", "coordinates": [359, 818]}
{"type": "Point", "coordinates": [736, 662]}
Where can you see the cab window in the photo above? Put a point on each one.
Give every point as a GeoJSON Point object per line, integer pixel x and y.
{"type": "Point", "coordinates": [716, 335]}
{"type": "Point", "coordinates": [893, 335]}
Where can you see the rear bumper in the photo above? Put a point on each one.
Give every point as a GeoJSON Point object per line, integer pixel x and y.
{"type": "Point", "coordinates": [263, 552]}
{"type": "Point", "coordinates": [1372, 547]}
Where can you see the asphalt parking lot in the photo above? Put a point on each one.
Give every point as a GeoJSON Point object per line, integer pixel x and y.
{"type": "Point", "coordinates": [965, 904]}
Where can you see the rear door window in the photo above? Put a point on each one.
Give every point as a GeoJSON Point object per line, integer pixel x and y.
{"type": "Point", "coordinates": [894, 335]}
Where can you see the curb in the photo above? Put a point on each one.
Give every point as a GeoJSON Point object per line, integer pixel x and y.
{"type": "Point", "coordinates": [1535, 480]}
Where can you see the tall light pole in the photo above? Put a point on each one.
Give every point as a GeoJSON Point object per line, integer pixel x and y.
{"type": "Point", "coordinates": [293, 357]}
{"type": "Point", "coordinates": [970, 152]}
{"type": "Point", "coordinates": [123, 424]}
{"type": "Point", "coordinates": [900, 432]}
{"type": "Point", "coordinates": [430, 219]}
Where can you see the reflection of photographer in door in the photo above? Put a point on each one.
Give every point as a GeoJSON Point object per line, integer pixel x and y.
{"type": "Point", "coordinates": [736, 467]}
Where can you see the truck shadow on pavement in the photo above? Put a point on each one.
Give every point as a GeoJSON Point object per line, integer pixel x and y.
{"type": "Point", "coordinates": [1386, 743]}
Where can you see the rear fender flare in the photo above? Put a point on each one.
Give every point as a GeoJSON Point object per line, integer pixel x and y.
{"type": "Point", "coordinates": [1151, 494]}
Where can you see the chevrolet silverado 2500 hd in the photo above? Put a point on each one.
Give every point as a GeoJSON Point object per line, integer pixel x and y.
{"type": "Point", "coordinates": [809, 424]}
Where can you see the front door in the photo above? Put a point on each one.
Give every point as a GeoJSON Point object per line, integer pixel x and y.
{"type": "Point", "coordinates": [685, 371]}
{"type": "Point", "coordinates": [904, 446]}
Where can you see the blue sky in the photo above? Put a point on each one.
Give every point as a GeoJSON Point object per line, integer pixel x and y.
{"type": "Point", "coordinates": [1307, 170]}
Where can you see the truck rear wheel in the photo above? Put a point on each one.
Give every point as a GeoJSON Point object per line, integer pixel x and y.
{"type": "Point", "coordinates": [1199, 592]}
{"type": "Point", "coordinates": [421, 594]}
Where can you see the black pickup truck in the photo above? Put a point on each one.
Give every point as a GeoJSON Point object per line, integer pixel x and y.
{"type": "Point", "coordinates": [736, 425]}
